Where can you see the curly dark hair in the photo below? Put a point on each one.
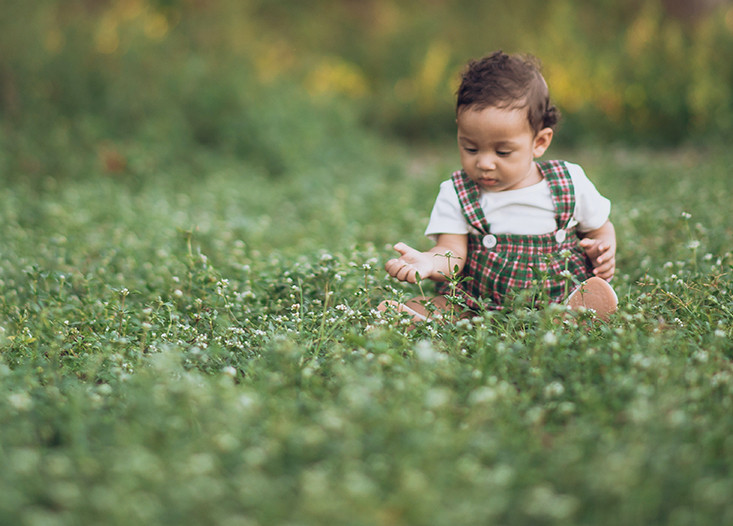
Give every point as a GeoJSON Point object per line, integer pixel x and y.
{"type": "Point", "coordinates": [508, 81]}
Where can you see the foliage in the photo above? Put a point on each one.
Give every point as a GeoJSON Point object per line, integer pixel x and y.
{"type": "Point", "coordinates": [211, 355]}
{"type": "Point", "coordinates": [134, 88]}
{"type": "Point", "coordinates": [157, 82]}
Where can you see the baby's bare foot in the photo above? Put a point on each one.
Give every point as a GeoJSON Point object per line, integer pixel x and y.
{"type": "Point", "coordinates": [400, 307]}
{"type": "Point", "coordinates": [594, 294]}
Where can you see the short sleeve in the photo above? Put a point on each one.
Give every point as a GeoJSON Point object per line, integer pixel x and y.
{"type": "Point", "coordinates": [592, 210]}
{"type": "Point", "coordinates": [446, 217]}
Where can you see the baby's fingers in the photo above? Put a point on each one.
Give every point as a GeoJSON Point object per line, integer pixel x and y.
{"type": "Point", "coordinates": [407, 273]}
{"type": "Point", "coordinates": [605, 270]}
{"type": "Point", "coordinates": [400, 270]}
{"type": "Point", "coordinates": [403, 248]}
{"type": "Point", "coordinates": [590, 244]}
{"type": "Point", "coordinates": [393, 266]}
{"type": "Point", "coordinates": [601, 253]}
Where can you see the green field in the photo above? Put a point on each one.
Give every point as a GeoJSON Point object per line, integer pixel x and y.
{"type": "Point", "coordinates": [197, 200]}
{"type": "Point", "coordinates": [202, 348]}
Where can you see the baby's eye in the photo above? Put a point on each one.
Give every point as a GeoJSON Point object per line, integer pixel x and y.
{"type": "Point", "coordinates": [468, 149]}
{"type": "Point", "coordinates": [503, 153]}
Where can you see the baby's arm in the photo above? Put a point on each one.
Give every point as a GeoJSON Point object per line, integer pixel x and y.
{"type": "Point", "coordinates": [600, 246]}
{"type": "Point", "coordinates": [432, 264]}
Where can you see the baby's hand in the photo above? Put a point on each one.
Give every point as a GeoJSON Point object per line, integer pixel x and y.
{"type": "Point", "coordinates": [410, 263]}
{"type": "Point", "coordinates": [602, 255]}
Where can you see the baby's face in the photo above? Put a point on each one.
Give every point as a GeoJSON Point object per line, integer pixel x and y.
{"type": "Point", "coordinates": [498, 148]}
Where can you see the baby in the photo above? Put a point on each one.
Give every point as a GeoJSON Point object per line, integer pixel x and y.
{"type": "Point", "coordinates": [505, 222]}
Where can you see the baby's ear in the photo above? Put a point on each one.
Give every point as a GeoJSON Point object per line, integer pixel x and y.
{"type": "Point", "coordinates": [542, 141]}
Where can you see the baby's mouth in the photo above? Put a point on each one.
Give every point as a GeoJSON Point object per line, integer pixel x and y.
{"type": "Point", "coordinates": [486, 181]}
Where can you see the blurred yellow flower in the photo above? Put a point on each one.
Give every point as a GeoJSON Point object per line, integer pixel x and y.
{"type": "Point", "coordinates": [334, 75]}
{"type": "Point", "coordinates": [156, 25]}
{"type": "Point", "coordinates": [54, 41]}
{"type": "Point", "coordinates": [107, 38]}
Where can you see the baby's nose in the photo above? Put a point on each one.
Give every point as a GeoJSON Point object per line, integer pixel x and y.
{"type": "Point", "coordinates": [486, 162]}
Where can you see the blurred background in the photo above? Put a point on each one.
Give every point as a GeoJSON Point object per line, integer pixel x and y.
{"type": "Point", "coordinates": [140, 85]}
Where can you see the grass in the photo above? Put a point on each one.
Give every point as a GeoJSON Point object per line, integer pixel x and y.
{"type": "Point", "coordinates": [209, 353]}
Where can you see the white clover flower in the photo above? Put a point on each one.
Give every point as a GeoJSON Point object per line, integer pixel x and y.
{"type": "Point", "coordinates": [437, 397]}
{"type": "Point", "coordinates": [641, 361]}
{"type": "Point", "coordinates": [535, 415]}
{"type": "Point", "coordinates": [463, 323]}
{"type": "Point", "coordinates": [426, 353]}
{"type": "Point", "coordinates": [385, 359]}
{"type": "Point", "coordinates": [686, 215]}
{"type": "Point", "coordinates": [549, 338]}
{"type": "Point", "coordinates": [544, 502]}
{"type": "Point", "coordinates": [565, 253]}
{"type": "Point", "coordinates": [554, 389]}
{"type": "Point", "coordinates": [700, 356]}
{"type": "Point", "coordinates": [677, 417]}
{"type": "Point", "coordinates": [21, 401]}
{"type": "Point", "coordinates": [566, 408]}
{"type": "Point", "coordinates": [483, 395]}
{"type": "Point", "coordinates": [229, 371]}
{"type": "Point", "coordinates": [720, 378]}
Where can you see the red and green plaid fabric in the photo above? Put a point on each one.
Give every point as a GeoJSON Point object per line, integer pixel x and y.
{"type": "Point", "coordinates": [519, 262]}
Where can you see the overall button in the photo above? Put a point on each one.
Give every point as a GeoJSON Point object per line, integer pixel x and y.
{"type": "Point", "coordinates": [560, 235]}
{"type": "Point", "coordinates": [489, 241]}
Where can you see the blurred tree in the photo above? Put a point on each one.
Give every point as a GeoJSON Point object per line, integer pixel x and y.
{"type": "Point", "coordinates": [691, 10]}
{"type": "Point", "coordinates": [179, 73]}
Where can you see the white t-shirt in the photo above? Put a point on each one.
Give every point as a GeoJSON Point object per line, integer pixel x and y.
{"type": "Point", "coordinates": [526, 211]}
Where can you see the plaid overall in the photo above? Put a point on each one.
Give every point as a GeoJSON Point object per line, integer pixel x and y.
{"type": "Point", "coordinates": [501, 265]}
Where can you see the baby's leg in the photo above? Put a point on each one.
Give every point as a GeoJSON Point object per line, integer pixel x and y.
{"type": "Point", "coordinates": [420, 308]}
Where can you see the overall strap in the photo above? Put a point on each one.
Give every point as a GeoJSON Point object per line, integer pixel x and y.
{"type": "Point", "coordinates": [561, 187]}
{"type": "Point", "coordinates": [468, 195]}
